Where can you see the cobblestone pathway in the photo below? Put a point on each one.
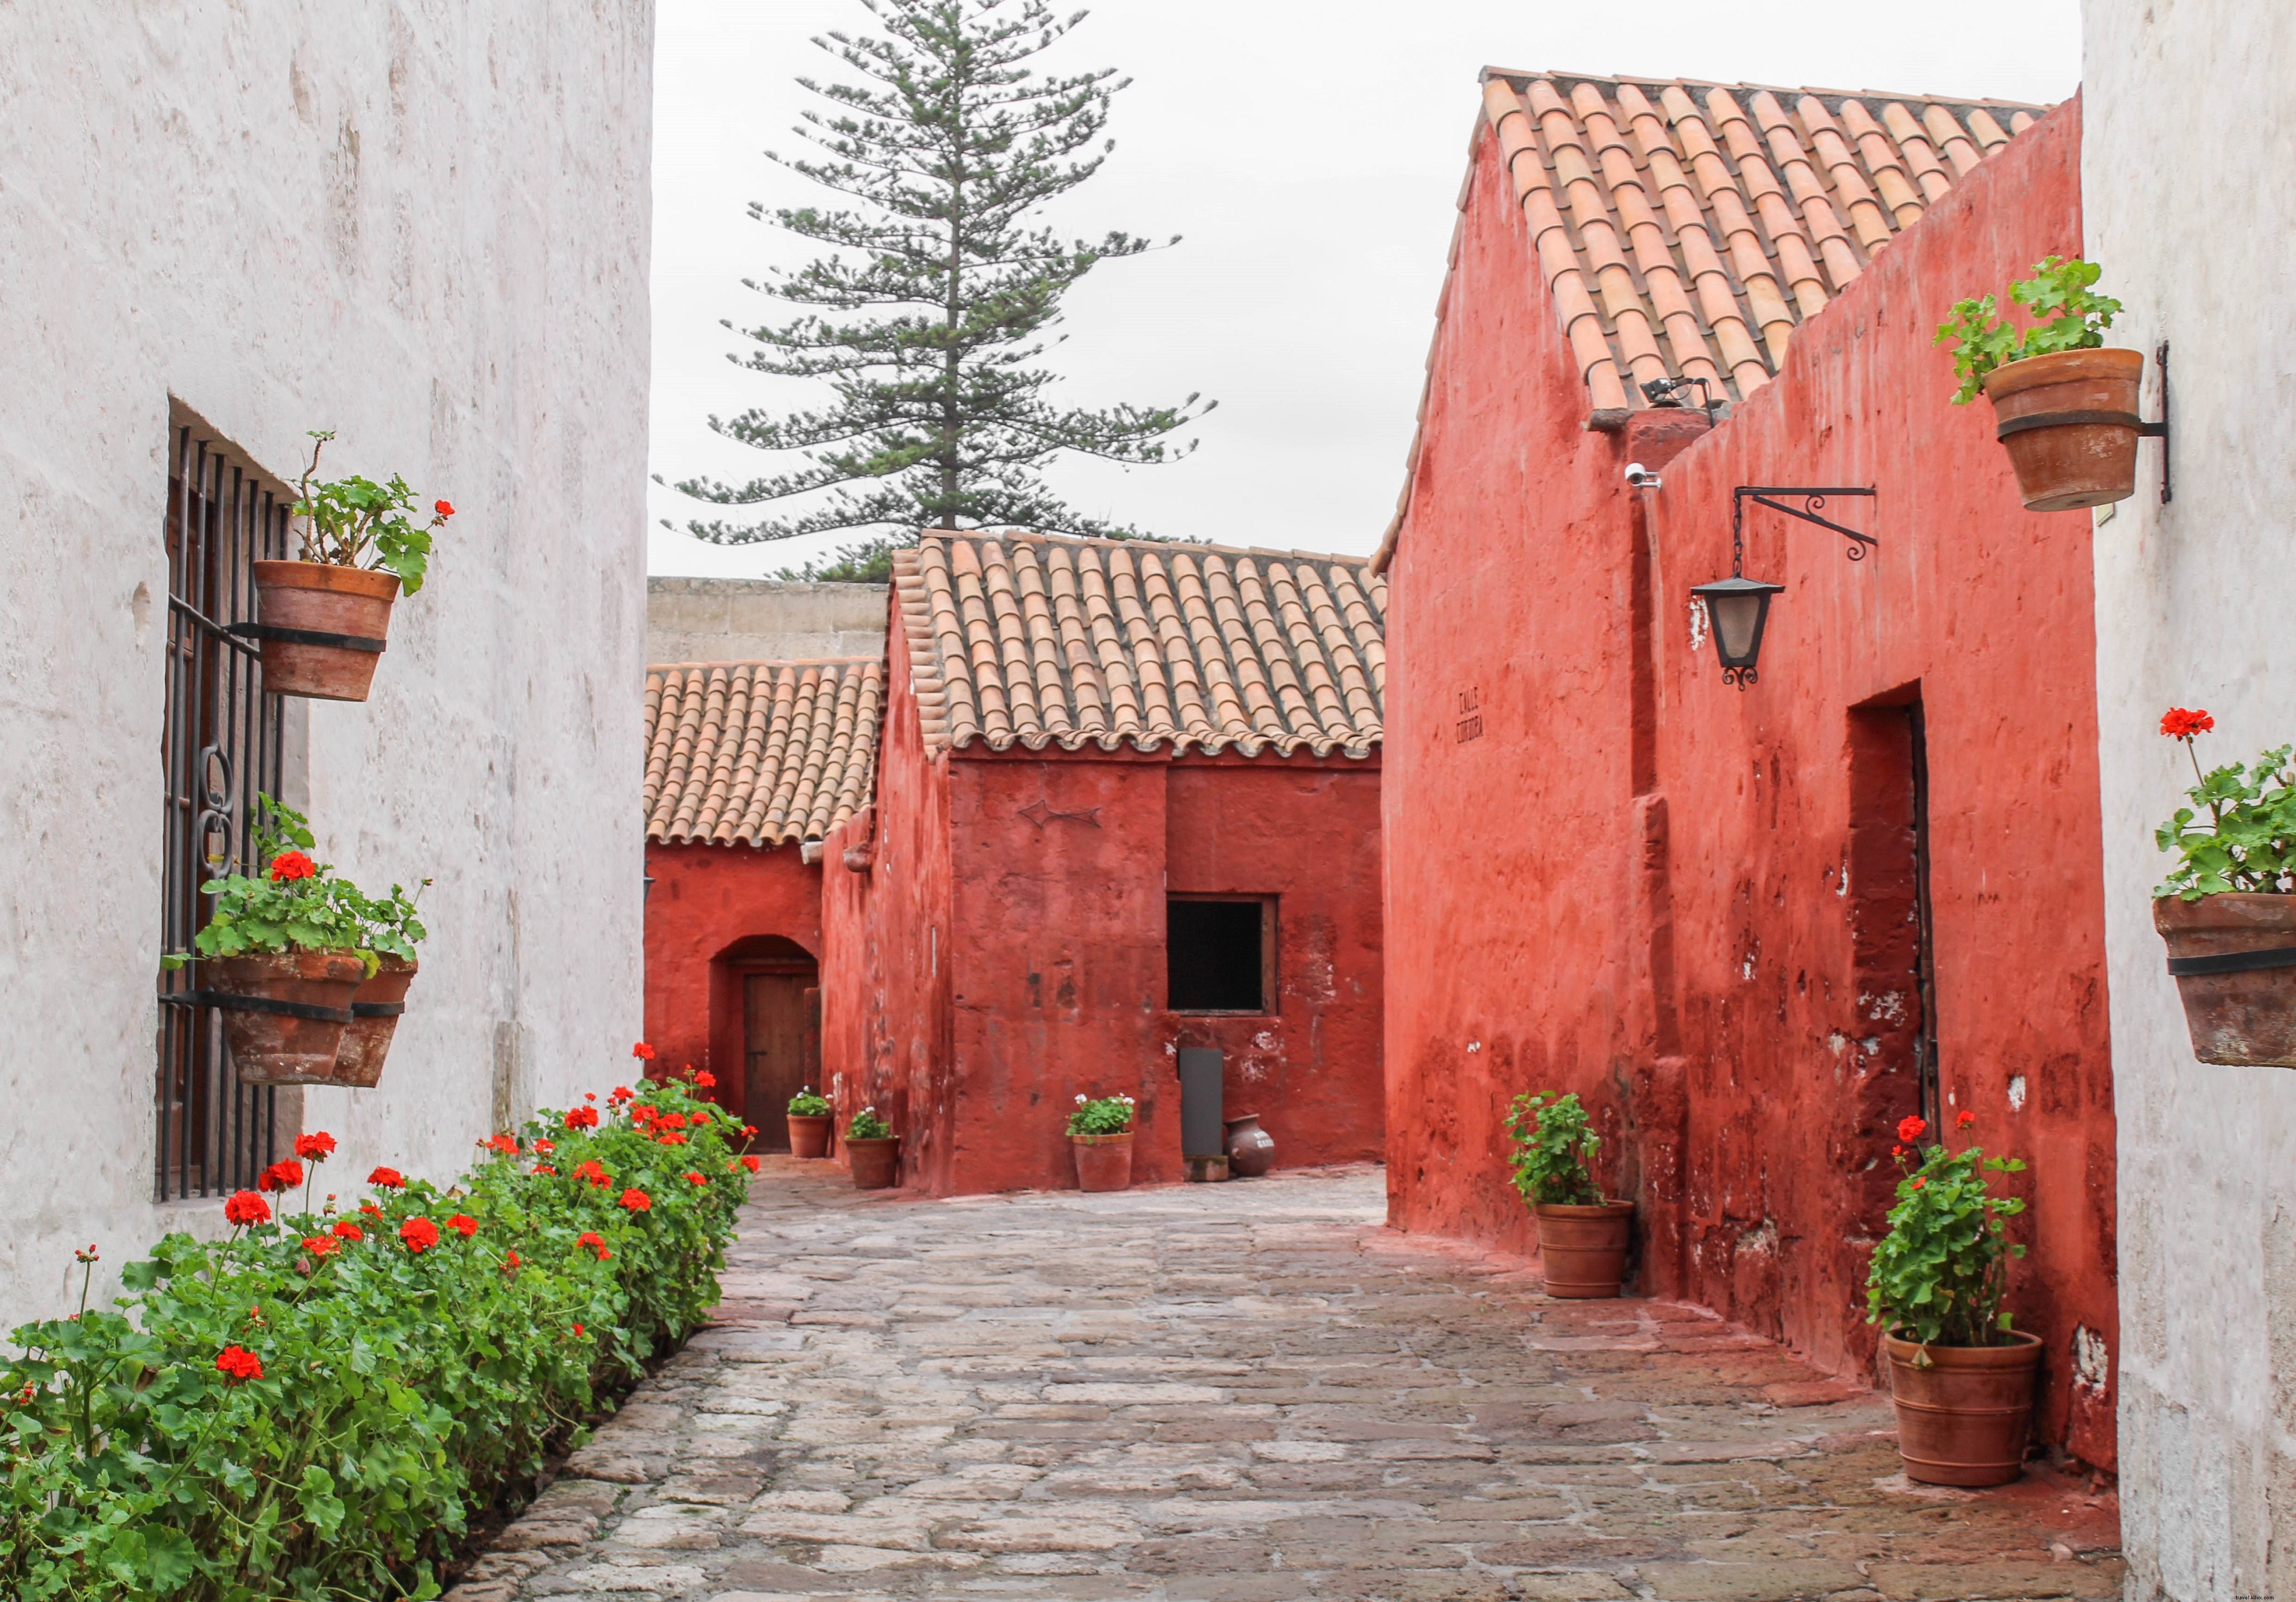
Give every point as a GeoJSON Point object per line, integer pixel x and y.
{"type": "Point", "coordinates": [1241, 1393]}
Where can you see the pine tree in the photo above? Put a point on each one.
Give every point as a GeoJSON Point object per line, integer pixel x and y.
{"type": "Point", "coordinates": [938, 295]}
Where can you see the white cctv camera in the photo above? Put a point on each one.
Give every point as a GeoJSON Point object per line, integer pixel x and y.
{"type": "Point", "coordinates": [1640, 476]}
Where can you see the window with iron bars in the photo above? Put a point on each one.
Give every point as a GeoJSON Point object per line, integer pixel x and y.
{"type": "Point", "coordinates": [224, 743]}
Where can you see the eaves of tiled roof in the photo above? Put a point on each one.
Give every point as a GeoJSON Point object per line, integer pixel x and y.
{"type": "Point", "coordinates": [1686, 229]}
{"type": "Point", "coordinates": [759, 754]}
{"type": "Point", "coordinates": [1056, 643]}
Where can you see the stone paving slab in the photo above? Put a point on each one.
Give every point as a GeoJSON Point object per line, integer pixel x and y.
{"type": "Point", "coordinates": [1241, 1392]}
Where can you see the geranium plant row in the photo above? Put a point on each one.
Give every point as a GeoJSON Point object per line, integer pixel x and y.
{"type": "Point", "coordinates": [318, 1405]}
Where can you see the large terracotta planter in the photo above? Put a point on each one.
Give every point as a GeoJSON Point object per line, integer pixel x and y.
{"type": "Point", "coordinates": [375, 1008]}
{"type": "Point", "coordinates": [1103, 1161]}
{"type": "Point", "coordinates": [1584, 1248]}
{"type": "Point", "coordinates": [2069, 422]}
{"type": "Point", "coordinates": [2234, 958]}
{"type": "Point", "coordinates": [283, 1016]}
{"type": "Point", "coordinates": [809, 1134]}
{"type": "Point", "coordinates": [1964, 1417]}
{"type": "Point", "coordinates": [324, 626]}
{"type": "Point", "coordinates": [875, 1163]}
{"type": "Point", "coordinates": [1251, 1149]}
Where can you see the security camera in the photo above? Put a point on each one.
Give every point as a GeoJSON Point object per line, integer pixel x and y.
{"type": "Point", "coordinates": [1640, 476]}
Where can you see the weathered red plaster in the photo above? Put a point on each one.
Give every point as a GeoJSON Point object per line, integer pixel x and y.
{"type": "Point", "coordinates": [1609, 873]}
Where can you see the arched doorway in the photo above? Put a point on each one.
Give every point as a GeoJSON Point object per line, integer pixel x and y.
{"type": "Point", "coordinates": [766, 999]}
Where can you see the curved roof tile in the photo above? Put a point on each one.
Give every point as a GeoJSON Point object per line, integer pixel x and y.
{"type": "Point", "coordinates": [759, 754]}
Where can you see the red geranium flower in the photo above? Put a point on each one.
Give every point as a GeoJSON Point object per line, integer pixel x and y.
{"type": "Point", "coordinates": [706, 1080]}
{"type": "Point", "coordinates": [291, 865]}
{"type": "Point", "coordinates": [420, 1234]}
{"type": "Point", "coordinates": [509, 1261]}
{"type": "Point", "coordinates": [505, 1144]}
{"type": "Point", "coordinates": [1911, 1128]}
{"type": "Point", "coordinates": [749, 1129]}
{"type": "Point", "coordinates": [2182, 725]}
{"type": "Point", "coordinates": [239, 1363]}
{"type": "Point", "coordinates": [389, 1179]}
{"type": "Point", "coordinates": [1919, 1183]}
{"type": "Point", "coordinates": [636, 1201]}
{"type": "Point", "coordinates": [463, 1224]}
{"type": "Point", "coordinates": [283, 1175]}
{"type": "Point", "coordinates": [347, 1230]}
{"type": "Point", "coordinates": [544, 1167]}
{"type": "Point", "coordinates": [698, 1179]}
{"type": "Point", "coordinates": [1897, 1151]}
{"type": "Point", "coordinates": [699, 1119]}
{"type": "Point", "coordinates": [578, 1331]}
{"type": "Point", "coordinates": [673, 1120]}
{"type": "Point", "coordinates": [621, 1094]}
{"type": "Point", "coordinates": [543, 1147]}
{"type": "Point", "coordinates": [752, 1164]}
{"type": "Point", "coordinates": [1964, 1119]}
{"type": "Point", "coordinates": [370, 1208]}
{"type": "Point", "coordinates": [245, 1208]}
{"type": "Point", "coordinates": [582, 1118]}
{"type": "Point", "coordinates": [320, 1245]}
{"type": "Point", "coordinates": [673, 1139]}
{"type": "Point", "coordinates": [596, 1242]}
{"type": "Point", "coordinates": [595, 1172]}
{"type": "Point", "coordinates": [443, 508]}
{"type": "Point", "coordinates": [315, 1148]}
{"type": "Point", "coordinates": [643, 1052]}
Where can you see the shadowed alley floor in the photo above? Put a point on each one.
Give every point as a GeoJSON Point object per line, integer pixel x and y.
{"type": "Point", "coordinates": [1240, 1392]}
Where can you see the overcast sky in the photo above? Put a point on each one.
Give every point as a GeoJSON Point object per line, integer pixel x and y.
{"type": "Point", "coordinates": [1310, 155]}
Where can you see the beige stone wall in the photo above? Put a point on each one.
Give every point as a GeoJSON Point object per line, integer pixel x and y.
{"type": "Point", "coordinates": [761, 620]}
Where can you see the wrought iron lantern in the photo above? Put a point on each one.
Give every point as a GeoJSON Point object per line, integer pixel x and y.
{"type": "Point", "coordinates": [1739, 607]}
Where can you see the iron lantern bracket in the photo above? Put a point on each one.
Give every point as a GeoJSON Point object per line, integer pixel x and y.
{"type": "Point", "coordinates": [1811, 499]}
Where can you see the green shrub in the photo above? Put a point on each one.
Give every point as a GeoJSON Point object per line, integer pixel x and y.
{"type": "Point", "coordinates": [317, 1407]}
{"type": "Point", "coordinates": [1553, 1150]}
{"type": "Point", "coordinates": [1940, 1275]}
{"type": "Point", "coordinates": [867, 1125]}
{"type": "Point", "coordinates": [1106, 1115]}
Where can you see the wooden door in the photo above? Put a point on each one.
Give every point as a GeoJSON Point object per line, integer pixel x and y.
{"type": "Point", "coordinates": [773, 1012]}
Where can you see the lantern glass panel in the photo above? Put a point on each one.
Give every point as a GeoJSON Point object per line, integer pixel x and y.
{"type": "Point", "coordinates": [1736, 620]}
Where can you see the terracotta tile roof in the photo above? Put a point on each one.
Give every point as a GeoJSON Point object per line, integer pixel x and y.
{"type": "Point", "coordinates": [757, 753]}
{"type": "Point", "coordinates": [1053, 642]}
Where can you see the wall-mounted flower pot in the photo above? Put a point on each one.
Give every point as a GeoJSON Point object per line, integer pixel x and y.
{"type": "Point", "coordinates": [1584, 1248]}
{"type": "Point", "coordinates": [1103, 1161]}
{"type": "Point", "coordinates": [2234, 958]}
{"type": "Point", "coordinates": [2069, 422]}
{"type": "Point", "coordinates": [875, 1163]}
{"type": "Point", "coordinates": [375, 1008]}
{"type": "Point", "coordinates": [1964, 1412]}
{"type": "Point", "coordinates": [809, 1134]}
{"type": "Point", "coordinates": [283, 1016]}
{"type": "Point", "coordinates": [322, 628]}
{"type": "Point", "coordinates": [1251, 1149]}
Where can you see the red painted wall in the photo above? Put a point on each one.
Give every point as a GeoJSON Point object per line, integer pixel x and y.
{"type": "Point", "coordinates": [705, 900]}
{"type": "Point", "coordinates": [1690, 904]}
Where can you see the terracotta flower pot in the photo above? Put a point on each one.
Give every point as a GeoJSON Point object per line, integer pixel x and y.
{"type": "Point", "coordinates": [1964, 1420]}
{"type": "Point", "coordinates": [2069, 422]}
{"type": "Point", "coordinates": [2233, 957]}
{"type": "Point", "coordinates": [809, 1134]}
{"type": "Point", "coordinates": [875, 1163]}
{"type": "Point", "coordinates": [1103, 1161]}
{"type": "Point", "coordinates": [375, 1008]}
{"type": "Point", "coordinates": [1584, 1248]}
{"type": "Point", "coordinates": [325, 626]}
{"type": "Point", "coordinates": [270, 1043]}
{"type": "Point", "coordinates": [1251, 1149]}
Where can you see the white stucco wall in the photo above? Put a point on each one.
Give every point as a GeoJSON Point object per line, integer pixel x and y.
{"type": "Point", "coordinates": [423, 224]}
{"type": "Point", "coordinates": [2189, 194]}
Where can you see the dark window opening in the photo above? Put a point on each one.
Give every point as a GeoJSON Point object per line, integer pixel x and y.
{"type": "Point", "coordinates": [1220, 955]}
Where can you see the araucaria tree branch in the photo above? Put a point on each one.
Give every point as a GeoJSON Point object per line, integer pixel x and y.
{"type": "Point", "coordinates": [924, 319]}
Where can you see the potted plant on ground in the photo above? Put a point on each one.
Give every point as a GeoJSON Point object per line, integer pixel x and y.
{"type": "Point", "coordinates": [873, 1149]}
{"type": "Point", "coordinates": [2226, 909]}
{"type": "Point", "coordinates": [391, 931]}
{"type": "Point", "coordinates": [1962, 1377]}
{"type": "Point", "coordinates": [281, 957]}
{"type": "Point", "coordinates": [1582, 1238]}
{"type": "Point", "coordinates": [1099, 1133]}
{"type": "Point", "coordinates": [2064, 405]}
{"type": "Point", "coordinates": [324, 620]}
{"type": "Point", "coordinates": [809, 1123]}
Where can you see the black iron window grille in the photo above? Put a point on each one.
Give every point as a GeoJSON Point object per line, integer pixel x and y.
{"type": "Point", "coordinates": [222, 745]}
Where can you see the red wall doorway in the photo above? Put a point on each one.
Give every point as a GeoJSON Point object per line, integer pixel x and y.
{"type": "Point", "coordinates": [764, 1030]}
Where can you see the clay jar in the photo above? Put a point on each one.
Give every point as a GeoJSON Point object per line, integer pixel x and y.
{"type": "Point", "coordinates": [1584, 1248]}
{"type": "Point", "coordinates": [809, 1134]}
{"type": "Point", "coordinates": [2245, 1016]}
{"type": "Point", "coordinates": [2090, 457]}
{"type": "Point", "coordinates": [1963, 1417]}
{"type": "Point", "coordinates": [277, 1048]}
{"type": "Point", "coordinates": [1251, 1149]}
{"type": "Point", "coordinates": [1103, 1161]}
{"type": "Point", "coordinates": [375, 1008]}
{"type": "Point", "coordinates": [875, 1163]}
{"type": "Point", "coordinates": [318, 598]}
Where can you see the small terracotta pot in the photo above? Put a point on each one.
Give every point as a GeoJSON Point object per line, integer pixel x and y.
{"type": "Point", "coordinates": [875, 1163]}
{"type": "Point", "coordinates": [316, 597]}
{"type": "Point", "coordinates": [1584, 1248]}
{"type": "Point", "coordinates": [809, 1134]}
{"type": "Point", "coordinates": [1251, 1149]}
{"type": "Point", "coordinates": [2062, 466]}
{"type": "Point", "coordinates": [1103, 1161]}
{"type": "Point", "coordinates": [1965, 1418]}
{"type": "Point", "coordinates": [376, 1007]}
{"type": "Point", "coordinates": [2245, 1016]}
{"type": "Point", "coordinates": [277, 1048]}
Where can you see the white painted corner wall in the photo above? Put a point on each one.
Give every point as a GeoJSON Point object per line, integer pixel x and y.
{"type": "Point", "coordinates": [2189, 197]}
{"type": "Point", "coordinates": [424, 226]}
